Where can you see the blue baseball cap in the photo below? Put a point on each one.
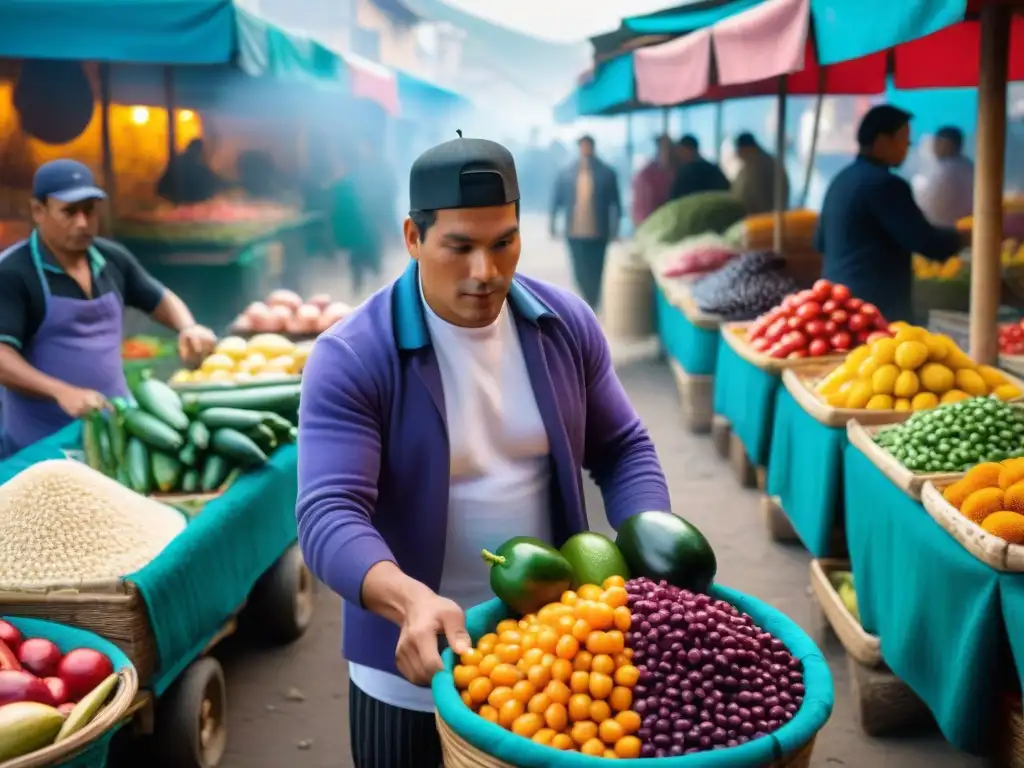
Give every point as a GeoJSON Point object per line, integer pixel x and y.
{"type": "Point", "coordinates": [66, 180]}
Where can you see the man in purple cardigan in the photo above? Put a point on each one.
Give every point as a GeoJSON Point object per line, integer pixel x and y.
{"type": "Point", "coordinates": [451, 411]}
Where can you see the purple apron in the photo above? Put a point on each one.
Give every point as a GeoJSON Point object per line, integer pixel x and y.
{"type": "Point", "coordinates": [78, 342]}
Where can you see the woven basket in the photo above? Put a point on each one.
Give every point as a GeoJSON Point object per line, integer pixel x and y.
{"type": "Point", "coordinates": [801, 382]}
{"type": "Point", "coordinates": [627, 299]}
{"type": "Point", "coordinates": [735, 335]}
{"type": "Point", "coordinates": [908, 481]}
{"type": "Point", "coordinates": [463, 734]}
{"type": "Point", "coordinates": [995, 552]}
{"type": "Point", "coordinates": [696, 399]}
{"type": "Point", "coordinates": [862, 646]}
{"type": "Point", "coordinates": [113, 609]}
{"type": "Point", "coordinates": [88, 748]}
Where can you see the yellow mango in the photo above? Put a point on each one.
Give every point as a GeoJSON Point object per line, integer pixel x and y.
{"type": "Point", "coordinates": [217, 362]}
{"type": "Point", "coordinates": [924, 401]}
{"type": "Point", "coordinates": [181, 377]}
{"type": "Point", "coordinates": [936, 378]}
{"type": "Point", "coordinates": [910, 333]}
{"type": "Point", "coordinates": [883, 350]}
{"type": "Point", "coordinates": [992, 376]}
{"type": "Point", "coordinates": [831, 383]}
{"type": "Point", "coordinates": [971, 382]}
{"type": "Point", "coordinates": [953, 396]}
{"type": "Point", "coordinates": [907, 384]}
{"type": "Point", "coordinates": [884, 379]}
{"type": "Point", "coordinates": [901, 404]}
{"type": "Point", "coordinates": [937, 351]}
{"type": "Point", "coordinates": [867, 368]}
{"type": "Point", "coordinates": [957, 359]}
{"type": "Point", "coordinates": [837, 399]}
{"type": "Point", "coordinates": [1007, 392]}
{"type": "Point", "coordinates": [880, 403]}
{"type": "Point", "coordinates": [857, 356]}
{"type": "Point", "coordinates": [859, 395]}
{"type": "Point", "coordinates": [898, 325]}
{"type": "Point", "coordinates": [911, 354]}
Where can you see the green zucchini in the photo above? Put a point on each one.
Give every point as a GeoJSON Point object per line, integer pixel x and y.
{"type": "Point", "coordinates": [190, 481]}
{"type": "Point", "coordinates": [166, 471]}
{"type": "Point", "coordinates": [159, 400]}
{"type": "Point", "coordinates": [280, 425]}
{"type": "Point", "coordinates": [199, 435]}
{"type": "Point", "coordinates": [264, 437]}
{"type": "Point", "coordinates": [189, 455]}
{"type": "Point", "coordinates": [281, 399]}
{"type": "Point", "coordinates": [91, 443]}
{"type": "Point", "coordinates": [122, 476]}
{"type": "Point", "coordinates": [140, 472]}
{"type": "Point", "coordinates": [232, 418]}
{"type": "Point", "coordinates": [103, 438]}
{"type": "Point", "coordinates": [237, 448]}
{"type": "Point", "coordinates": [118, 437]}
{"type": "Point", "coordinates": [215, 470]}
{"type": "Point", "coordinates": [153, 432]}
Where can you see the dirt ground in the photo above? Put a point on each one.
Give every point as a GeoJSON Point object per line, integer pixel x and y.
{"type": "Point", "coordinates": [288, 706]}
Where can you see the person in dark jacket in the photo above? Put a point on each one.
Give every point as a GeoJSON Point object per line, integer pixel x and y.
{"type": "Point", "coordinates": [870, 225]}
{"type": "Point", "coordinates": [695, 173]}
{"type": "Point", "coordinates": [188, 179]}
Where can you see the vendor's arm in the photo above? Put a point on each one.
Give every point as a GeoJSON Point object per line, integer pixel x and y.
{"type": "Point", "coordinates": [618, 452]}
{"type": "Point", "coordinates": [893, 205]}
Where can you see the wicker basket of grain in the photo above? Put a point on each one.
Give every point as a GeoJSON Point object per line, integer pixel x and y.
{"type": "Point", "coordinates": [801, 383]}
{"type": "Point", "coordinates": [735, 335]}
{"type": "Point", "coordinates": [696, 398]}
{"type": "Point", "coordinates": [469, 741]}
{"type": "Point", "coordinates": [991, 550]}
{"type": "Point", "coordinates": [627, 292]}
{"type": "Point", "coordinates": [908, 481]}
{"type": "Point", "coordinates": [861, 645]}
{"type": "Point", "coordinates": [68, 535]}
{"type": "Point", "coordinates": [87, 748]}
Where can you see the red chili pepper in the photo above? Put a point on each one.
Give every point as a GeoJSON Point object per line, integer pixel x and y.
{"type": "Point", "coordinates": [8, 659]}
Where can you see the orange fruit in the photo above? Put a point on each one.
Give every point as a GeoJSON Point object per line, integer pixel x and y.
{"type": "Point", "coordinates": [630, 721]}
{"type": "Point", "coordinates": [568, 646]}
{"type": "Point", "coordinates": [556, 716]}
{"type": "Point", "coordinates": [579, 682]}
{"type": "Point", "coordinates": [593, 747]}
{"type": "Point", "coordinates": [539, 675]}
{"type": "Point", "coordinates": [584, 731]}
{"type": "Point", "coordinates": [622, 617]}
{"type": "Point", "coordinates": [613, 581]}
{"type": "Point", "coordinates": [523, 690]}
{"type": "Point", "coordinates": [616, 597]}
{"type": "Point", "coordinates": [538, 703]}
{"type": "Point", "coordinates": [600, 711]}
{"type": "Point", "coordinates": [562, 741]}
{"type": "Point", "coordinates": [603, 663]}
{"type": "Point", "coordinates": [600, 685]}
{"type": "Point", "coordinates": [579, 707]}
{"type": "Point", "coordinates": [480, 689]}
{"type": "Point", "coordinates": [621, 698]}
{"type": "Point", "coordinates": [558, 691]}
{"type": "Point", "coordinates": [488, 713]}
{"type": "Point", "coordinates": [464, 675]}
{"type": "Point", "coordinates": [610, 731]}
{"type": "Point", "coordinates": [582, 661]}
{"type": "Point", "coordinates": [628, 746]}
{"type": "Point", "coordinates": [509, 711]}
{"type": "Point", "coordinates": [527, 725]}
{"type": "Point", "coordinates": [505, 674]}
{"type": "Point", "coordinates": [499, 696]}
{"type": "Point", "coordinates": [544, 736]}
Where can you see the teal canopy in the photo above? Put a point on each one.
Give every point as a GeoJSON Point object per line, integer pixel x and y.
{"type": "Point", "coordinates": [610, 90]}
{"type": "Point", "coordinates": [691, 17]}
{"type": "Point", "coordinates": [421, 97]}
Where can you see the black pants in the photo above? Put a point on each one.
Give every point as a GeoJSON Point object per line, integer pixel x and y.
{"type": "Point", "coordinates": [383, 736]}
{"type": "Point", "coordinates": [588, 267]}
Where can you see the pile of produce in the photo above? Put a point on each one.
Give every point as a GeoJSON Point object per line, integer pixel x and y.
{"type": "Point", "coordinates": [146, 348]}
{"type": "Point", "coordinates": [953, 437]}
{"type": "Point", "coordinates": [757, 233]}
{"type": "Point", "coordinates": [992, 495]}
{"type": "Point", "coordinates": [688, 216]}
{"type": "Point", "coordinates": [824, 320]}
{"type": "Point", "coordinates": [745, 287]}
{"type": "Point", "coordinates": [696, 255]}
{"type": "Point", "coordinates": [926, 269]}
{"type": "Point", "coordinates": [913, 371]}
{"type": "Point", "coordinates": [193, 443]}
{"type": "Point", "coordinates": [620, 653]}
{"type": "Point", "coordinates": [286, 312]}
{"type": "Point", "coordinates": [842, 583]}
{"type": "Point", "coordinates": [46, 696]}
{"type": "Point", "coordinates": [265, 357]}
{"type": "Point", "coordinates": [61, 523]}
{"type": "Point", "coordinates": [220, 221]}
{"type": "Point", "coordinates": [1011, 338]}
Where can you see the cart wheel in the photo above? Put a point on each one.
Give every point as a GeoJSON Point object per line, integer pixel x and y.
{"type": "Point", "coordinates": [191, 725]}
{"type": "Point", "coordinates": [280, 607]}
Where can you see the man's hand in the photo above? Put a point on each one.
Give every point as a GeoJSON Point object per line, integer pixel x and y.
{"type": "Point", "coordinates": [77, 402]}
{"type": "Point", "coordinates": [417, 654]}
{"type": "Point", "coordinates": [195, 343]}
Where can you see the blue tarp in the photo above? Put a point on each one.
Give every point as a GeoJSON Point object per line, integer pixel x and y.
{"type": "Point", "coordinates": [611, 89]}
{"type": "Point", "coordinates": [421, 97]}
{"type": "Point", "coordinates": [686, 19]}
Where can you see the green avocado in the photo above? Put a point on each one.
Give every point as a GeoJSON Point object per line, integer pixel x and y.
{"type": "Point", "coordinates": [527, 574]}
{"type": "Point", "coordinates": [593, 558]}
{"type": "Point", "coordinates": [661, 545]}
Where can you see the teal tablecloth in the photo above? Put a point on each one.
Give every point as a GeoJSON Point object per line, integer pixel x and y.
{"type": "Point", "coordinates": [1011, 594]}
{"type": "Point", "coordinates": [695, 349]}
{"type": "Point", "coordinates": [805, 470]}
{"type": "Point", "coordinates": [745, 395]}
{"type": "Point", "coordinates": [935, 606]}
{"type": "Point", "coordinates": [199, 581]}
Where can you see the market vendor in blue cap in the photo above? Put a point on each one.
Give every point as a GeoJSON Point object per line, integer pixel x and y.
{"type": "Point", "coordinates": [63, 292]}
{"type": "Point", "coordinates": [452, 411]}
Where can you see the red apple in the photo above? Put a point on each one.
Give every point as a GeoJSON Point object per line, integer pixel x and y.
{"type": "Point", "coordinates": [39, 656]}
{"type": "Point", "coordinates": [83, 669]}
{"type": "Point", "coordinates": [10, 635]}
{"type": "Point", "coordinates": [23, 686]}
{"type": "Point", "coordinates": [58, 689]}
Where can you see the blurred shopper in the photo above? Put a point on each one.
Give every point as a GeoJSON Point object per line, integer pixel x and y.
{"type": "Point", "coordinates": [653, 183]}
{"type": "Point", "coordinates": [946, 193]}
{"type": "Point", "coordinates": [754, 185]}
{"type": "Point", "coordinates": [870, 225]}
{"type": "Point", "coordinates": [188, 179]}
{"type": "Point", "coordinates": [588, 193]}
{"type": "Point", "coordinates": [694, 173]}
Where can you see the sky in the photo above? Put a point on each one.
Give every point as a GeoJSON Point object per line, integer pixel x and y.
{"type": "Point", "coordinates": [563, 21]}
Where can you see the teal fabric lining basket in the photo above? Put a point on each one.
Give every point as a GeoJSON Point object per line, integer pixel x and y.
{"type": "Point", "coordinates": [68, 638]}
{"type": "Point", "coordinates": [496, 741]}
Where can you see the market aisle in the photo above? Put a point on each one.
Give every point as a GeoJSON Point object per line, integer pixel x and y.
{"type": "Point", "coordinates": [287, 706]}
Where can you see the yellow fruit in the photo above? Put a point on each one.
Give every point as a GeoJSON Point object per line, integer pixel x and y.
{"type": "Point", "coordinates": [1007, 392]}
{"type": "Point", "coordinates": [953, 396]}
{"type": "Point", "coordinates": [992, 376]}
{"type": "Point", "coordinates": [271, 345]}
{"type": "Point", "coordinates": [252, 364]}
{"type": "Point", "coordinates": [221, 375]}
{"type": "Point", "coordinates": [1013, 498]}
{"type": "Point", "coordinates": [859, 395]}
{"type": "Point", "coordinates": [282, 364]}
{"type": "Point", "coordinates": [907, 384]}
{"type": "Point", "coordinates": [181, 377]}
{"type": "Point", "coordinates": [970, 382]}
{"type": "Point", "coordinates": [1010, 473]}
{"type": "Point", "coordinates": [910, 333]}
{"type": "Point", "coordinates": [982, 503]}
{"type": "Point", "coordinates": [898, 325]}
{"type": "Point", "coordinates": [923, 401]}
{"type": "Point", "coordinates": [857, 356]}
{"type": "Point", "coordinates": [883, 350]}
{"type": "Point", "coordinates": [831, 383]}
{"type": "Point", "coordinates": [880, 403]}
{"type": "Point", "coordinates": [1006, 525]}
{"type": "Point", "coordinates": [984, 475]}
{"type": "Point", "coordinates": [232, 346]}
{"type": "Point", "coordinates": [868, 367]}
{"type": "Point", "coordinates": [957, 359]}
{"type": "Point", "coordinates": [936, 378]}
{"type": "Point", "coordinates": [937, 351]}
{"type": "Point", "coordinates": [901, 404]}
{"type": "Point", "coordinates": [217, 362]}
{"type": "Point", "coordinates": [884, 379]}
{"type": "Point", "coordinates": [910, 355]}
{"type": "Point", "coordinates": [956, 493]}
{"type": "Point", "coordinates": [837, 399]}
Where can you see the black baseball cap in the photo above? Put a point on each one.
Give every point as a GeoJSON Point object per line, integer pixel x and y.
{"type": "Point", "coordinates": [463, 173]}
{"type": "Point", "coordinates": [66, 180]}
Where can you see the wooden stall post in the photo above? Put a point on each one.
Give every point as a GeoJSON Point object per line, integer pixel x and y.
{"type": "Point", "coordinates": [987, 234]}
{"type": "Point", "coordinates": [107, 158]}
{"type": "Point", "coordinates": [815, 129]}
{"type": "Point", "coordinates": [172, 126]}
{"type": "Point", "coordinates": [719, 131]}
{"type": "Point", "coordinates": [780, 167]}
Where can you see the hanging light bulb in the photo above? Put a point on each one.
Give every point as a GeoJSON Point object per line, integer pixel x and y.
{"type": "Point", "coordinates": [140, 115]}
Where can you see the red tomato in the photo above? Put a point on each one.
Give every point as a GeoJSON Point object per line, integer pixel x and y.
{"type": "Point", "coordinates": [830, 327]}
{"type": "Point", "coordinates": [862, 337]}
{"type": "Point", "coordinates": [840, 341]}
{"type": "Point", "coordinates": [828, 307]}
{"type": "Point", "coordinates": [775, 330]}
{"type": "Point", "coordinates": [1015, 333]}
{"type": "Point", "coordinates": [815, 328]}
{"type": "Point", "coordinates": [777, 350]}
{"type": "Point", "coordinates": [809, 310]}
{"type": "Point", "coordinates": [840, 317]}
{"type": "Point", "coordinates": [857, 322]}
{"type": "Point", "coordinates": [853, 304]}
{"type": "Point", "coordinates": [822, 289]}
{"type": "Point", "coordinates": [797, 353]}
{"type": "Point", "coordinates": [795, 322]}
{"type": "Point", "coordinates": [869, 310]}
{"type": "Point", "coordinates": [840, 292]}
{"type": "Point", "coordinates": [817, 348]}
{"type": "Point", "coordinates": [880, 322]}
{"type": "Point", "coordinates": [761, 344]}
{"type": "Point", "coordinates": [797, 339]}
{"type": "Point", "coordinates": [789, 302]}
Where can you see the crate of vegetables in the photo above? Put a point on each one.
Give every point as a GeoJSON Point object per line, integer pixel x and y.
{"type": "Point", "coordinates": [64, 692]}
{"type": "Point", "coordinates": [889, 446]}
{"type": "Point", "coordinates": [833, 588]}
{"type": "Point", "coordinates": [884, 381]}
{"type": "Point", "coordinates": [285, 312]}
{"type": "Point", "coordinates": [631, 652]}
{"type": "Point", "coordinates": [263, 359]}
{"type": "Point", "coordinates": [984, 511]}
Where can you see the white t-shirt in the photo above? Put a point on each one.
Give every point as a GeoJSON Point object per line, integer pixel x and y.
{"type": "Point", "coordinates": [500, 471]}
